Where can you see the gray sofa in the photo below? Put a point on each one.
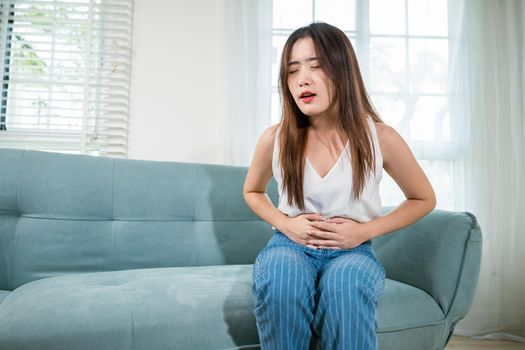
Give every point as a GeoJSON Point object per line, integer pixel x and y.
{"type": "Point", "coordinates": [99, 253]}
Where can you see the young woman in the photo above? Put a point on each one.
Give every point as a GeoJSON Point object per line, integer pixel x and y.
{"type": "Point", "coordinates": [318, 275]}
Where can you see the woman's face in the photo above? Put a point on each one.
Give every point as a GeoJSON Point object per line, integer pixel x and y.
{"type": "Point", "coordinates": [309, 85]}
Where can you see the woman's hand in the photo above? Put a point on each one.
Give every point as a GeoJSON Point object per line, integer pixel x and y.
{"type": "Point", "coordinates": [338, 233]}
{"type": "Point", "coordinates": [299, 228]}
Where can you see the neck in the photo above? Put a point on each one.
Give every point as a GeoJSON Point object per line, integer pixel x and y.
{"type": "Point", "coordinates": [327, 121]}
{"type": "Point", "coordinates": [324, 124]}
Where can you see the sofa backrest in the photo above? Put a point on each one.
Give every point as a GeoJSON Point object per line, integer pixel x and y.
{"type": "Point", "coordinates": [63, 214]}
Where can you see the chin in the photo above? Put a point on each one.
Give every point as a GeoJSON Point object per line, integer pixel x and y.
{"type": "Point", "coordinates": [312, 114]}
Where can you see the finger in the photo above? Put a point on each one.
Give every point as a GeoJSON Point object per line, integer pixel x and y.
{"type": "Point", "coordinates": [338, 220]}
{"type": "Point", "coordinates": [298, 240]}
{"type": "Point", "coordinates": [316, 234]}
{"type": "Point", "coordinates": [312, 246]}
{"type": "Point", "coordinates": [325, 226]}
{"type": "Point", "coordinates": [315, 217]}
{"type": "Point", "coordinates": [325, 243]}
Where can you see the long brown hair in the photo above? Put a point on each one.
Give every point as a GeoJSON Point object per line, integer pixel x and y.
{"type": "Point", "coordinates": [338, 60]}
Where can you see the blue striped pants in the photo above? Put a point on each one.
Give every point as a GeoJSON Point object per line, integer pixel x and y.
{"type": "Point", "coordinates": [303, 294]}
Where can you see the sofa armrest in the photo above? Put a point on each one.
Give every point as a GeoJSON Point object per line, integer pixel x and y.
{"type": "Point", "coordinates": [440, 254]}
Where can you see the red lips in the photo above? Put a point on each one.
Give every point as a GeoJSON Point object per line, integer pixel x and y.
{"type": "Point", "coordinates": [306, 93]}
{"type": "Point", "coordinates": [307, 96]}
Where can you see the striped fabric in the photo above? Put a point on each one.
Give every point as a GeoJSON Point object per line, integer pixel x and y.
{"type": "Point", "coordinates": [301, 294]}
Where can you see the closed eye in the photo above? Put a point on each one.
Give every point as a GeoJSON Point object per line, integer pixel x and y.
{"type": "Point", "coordinates": [293, 71]}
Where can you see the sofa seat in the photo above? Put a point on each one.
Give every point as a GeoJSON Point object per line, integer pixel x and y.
{"type": "Point", "coordinates": [169, 308]}
{"type": "Point", "coordinates": [409, 318]}
{"type": "Point", "coordinates": [162, 308]}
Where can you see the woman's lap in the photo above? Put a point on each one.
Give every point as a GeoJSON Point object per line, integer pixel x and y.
{"type": "Point", "coordinates": [357, 265]}
{"type": "Point", "coordinates": [331, 292]}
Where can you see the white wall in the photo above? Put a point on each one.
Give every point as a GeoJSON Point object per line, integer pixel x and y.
{"type": "Point", "coordinates": [176, 82]}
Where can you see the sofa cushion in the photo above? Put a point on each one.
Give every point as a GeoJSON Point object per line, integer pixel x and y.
{"type": "Point", "coordinates": [409, 318]}
{"type": "Point", "coordinates": [64, 214]}
{"type": "Point", "coordinates": [416, 306]}
{"type": "Point", "coordinates": [49, 247]}
{"type": "Point", "coordinates": [3, 294]}
{"type": "Point", "coordinates": [167, 308]}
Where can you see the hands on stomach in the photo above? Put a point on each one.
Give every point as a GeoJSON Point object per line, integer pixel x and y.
{"type": "Point", "coordinates": [315, 231]}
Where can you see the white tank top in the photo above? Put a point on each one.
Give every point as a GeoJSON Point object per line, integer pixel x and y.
{"type": "Point", "coordinates": [331, 195]}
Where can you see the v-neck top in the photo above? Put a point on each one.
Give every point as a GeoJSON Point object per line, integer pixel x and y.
{"type": "Point", "coordinates": [332, 195]}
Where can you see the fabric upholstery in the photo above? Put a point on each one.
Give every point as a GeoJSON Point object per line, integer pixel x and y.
{"type": "Point", "coordinates": [432, 255]}
{"type": "Point", "coordinates": [101, 253]}
{"type": "Point", "coordinates": [87, 214]}
{"type": "Point", "coordinates": [3, 295]}
{"type": "Point", "coordinates": [10, 161]}
{"type": "Point", "coordinates": [168, 308]}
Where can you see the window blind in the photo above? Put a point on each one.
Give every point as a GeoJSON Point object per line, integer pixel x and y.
{"type": "Point", "coordinates": [66, 75]}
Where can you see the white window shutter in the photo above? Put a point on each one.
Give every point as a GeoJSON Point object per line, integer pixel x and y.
{"type": "Point", "coordinates": [66, 75]}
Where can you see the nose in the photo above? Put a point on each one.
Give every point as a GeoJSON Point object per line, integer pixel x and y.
{"type": "Point", "coordinates": [304, 77]}
{"type": "Point", "coordinates": [303, 83]}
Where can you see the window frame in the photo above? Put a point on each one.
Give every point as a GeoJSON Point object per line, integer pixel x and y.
{"type": "Point", "coordinates": [103, 129]}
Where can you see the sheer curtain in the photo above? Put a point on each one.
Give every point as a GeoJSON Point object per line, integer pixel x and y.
{"type": "Point", "coordinates": [247, 62]}
{"type": "Point", "coordinates": [487, 99]}
{"type": "Point", "coordinates": [486, 141]}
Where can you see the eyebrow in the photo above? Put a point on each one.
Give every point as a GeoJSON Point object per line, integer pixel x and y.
{"type": "Point", "coordinates": [306, 60]}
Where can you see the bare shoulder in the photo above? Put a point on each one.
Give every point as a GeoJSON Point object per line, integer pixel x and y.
{"type": "Point", "coordinates": [267, 138]}
{"type": "Point", "coordinates": [386, 133]}
{"type": "Point", "coordinates": [402, 166]}
{"type": "Point", "coordinates": [264, 149]}
{"type": "Point", "coordinates": [390, 142]}
{"type": "Point", "coordinates": [271, 131]}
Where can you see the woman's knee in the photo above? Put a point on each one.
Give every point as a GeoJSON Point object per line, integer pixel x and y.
{"type": "Point", "coordinates": [282, 272]}
{"type": "Point", "coordinates": [358, 273]}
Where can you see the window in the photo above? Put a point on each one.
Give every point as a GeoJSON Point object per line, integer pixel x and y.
{"type": "Point", "coordinates": [66, 67]}
{"type": "Point", "coordinates": [402, 47]}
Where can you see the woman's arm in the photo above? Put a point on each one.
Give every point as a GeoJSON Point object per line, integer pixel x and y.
{"type": "Point", "coordinates": [254, 191]}
{"type": "Point", "coordinates": [402, 166]}
{"type": "Point", "coordinates": [256, 183]}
